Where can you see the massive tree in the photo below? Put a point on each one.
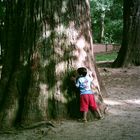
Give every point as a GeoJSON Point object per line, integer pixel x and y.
{"type": "Point", "coordinates": [129, 53]}
{"type": "Point", "coordinates": [45, 41]}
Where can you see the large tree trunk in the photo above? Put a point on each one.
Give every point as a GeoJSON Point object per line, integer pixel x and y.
{"type": "Point", "coordinates": [46, 41]}
{"type": "Point", "coordinates": [129, 53]}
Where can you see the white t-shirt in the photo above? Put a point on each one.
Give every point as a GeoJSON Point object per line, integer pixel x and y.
{"type": "Point", "coordinates": [84, 85]}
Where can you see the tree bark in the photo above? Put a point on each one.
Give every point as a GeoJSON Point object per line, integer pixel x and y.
{"type": "Point", "coordinates": [102, 25]}
{"type": "Point", "coordinates": [46, 41]}
{"type": "Point", "coordinates": [129, 53]}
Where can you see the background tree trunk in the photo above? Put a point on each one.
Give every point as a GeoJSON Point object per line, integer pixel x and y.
{"type": "Point", "coordinates": [102, 25]}
{"type": "Point", "coordinates": [129, 53]}
{"type": "Point", "coordinates": [46, 41]}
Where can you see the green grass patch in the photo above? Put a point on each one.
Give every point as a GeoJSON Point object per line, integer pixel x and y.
{"type": "Point", "coordinates": [106, 57]}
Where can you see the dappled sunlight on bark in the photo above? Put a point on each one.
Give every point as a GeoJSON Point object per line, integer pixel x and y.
{"type": "Point", "coordinates": [49, 40]}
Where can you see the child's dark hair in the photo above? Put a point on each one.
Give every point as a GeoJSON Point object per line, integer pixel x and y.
{"type": "Point", "coordinates": [82, 71]}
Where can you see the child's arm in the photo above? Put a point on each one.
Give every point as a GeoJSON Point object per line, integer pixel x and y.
{"type": "Point", "coordinates": [96, 90]}
{"type": "Point", "coordinates": [99, 93]}
{"type": "Point", "coordinates": [75, 80]}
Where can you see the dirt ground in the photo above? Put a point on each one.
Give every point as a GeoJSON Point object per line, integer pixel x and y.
{"type": "Point", "coordinates": [121, 123]}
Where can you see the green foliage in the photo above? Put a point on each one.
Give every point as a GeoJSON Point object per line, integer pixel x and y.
{"type": "Point", "coordinates": [114, 32]}
{"type": "Point", "coordinates": [113, 15]}
{"type": "Point", "coordinates": [2, 11]}
{"type": "Point", "coordinates": [102, 5]}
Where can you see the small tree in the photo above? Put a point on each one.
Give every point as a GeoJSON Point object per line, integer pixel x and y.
{"type": "Point", "coordinates": [106, 21]}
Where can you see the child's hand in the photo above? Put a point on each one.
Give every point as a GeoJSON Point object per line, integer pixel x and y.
{"type": "Point", "coordinates": [73, 78]}
{"type": "Point", "coordinates": [94, 87]}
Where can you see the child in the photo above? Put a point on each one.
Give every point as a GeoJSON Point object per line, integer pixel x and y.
{"type": "Point", "coordinates": [87, 99]}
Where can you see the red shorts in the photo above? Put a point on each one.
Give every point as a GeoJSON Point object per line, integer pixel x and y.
{"type": "Point", "coordinates": [86, 101]}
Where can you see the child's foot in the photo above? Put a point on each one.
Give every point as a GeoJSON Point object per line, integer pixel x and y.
{"type": "Point", "coordinates": [82, 120]}
{"type": "Point", "coordinates": [100, 117]}
{"type": "Point", "coordinates": [106, 110]}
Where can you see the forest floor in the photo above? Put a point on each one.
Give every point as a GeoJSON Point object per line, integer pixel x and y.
{"type": "Point", "coordinates": [121, 123]}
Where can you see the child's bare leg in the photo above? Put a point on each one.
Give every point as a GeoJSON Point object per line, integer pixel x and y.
{"type": "Point", "coordinates": [99, 113]}
{"type": "Point", "coordinates": [85, 116]}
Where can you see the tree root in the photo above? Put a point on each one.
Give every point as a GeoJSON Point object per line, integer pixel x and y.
{"type": "Point", "coordinates": [38, 124]}
{"type": "Point", "coordinates": [15, 130]}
